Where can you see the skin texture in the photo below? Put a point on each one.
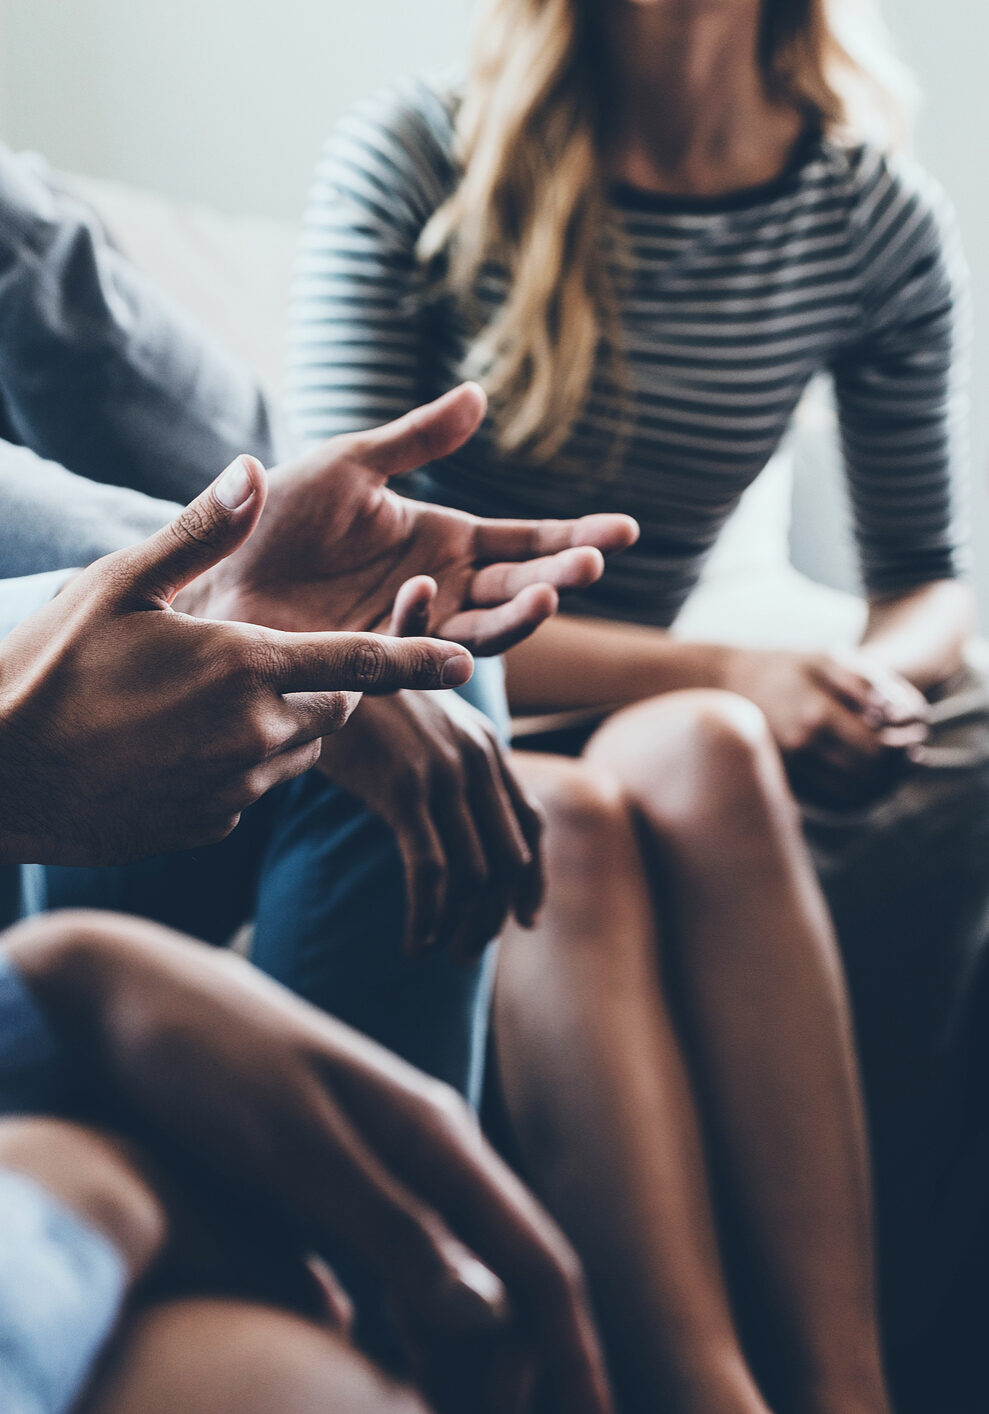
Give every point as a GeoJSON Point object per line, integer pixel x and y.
{"type": "Point", "coordinates": [468, 831]}
{"type": "Point", "coordinates": [108, 688]}
{"type": "Point", "coordinates": [119, 683]}
{"type": "Point", "coordinates": [336, 545]}
{"type": "Point", "coordinates": [681, 999]}
{"type": "Point", "coordinates": [708, 1051]}
{"type": "Point", "coordinates": [333, 1141]}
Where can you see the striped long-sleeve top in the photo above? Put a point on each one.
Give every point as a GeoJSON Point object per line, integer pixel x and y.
{"type": "Point", "coordinates": [845, 264]}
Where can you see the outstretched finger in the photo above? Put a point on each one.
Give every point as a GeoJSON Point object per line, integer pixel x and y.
{"type": "Point", "coordinates": [576, 568]}
{"type": "Point", "coordinates": [363, 662]}
{"type": "Point", "coordinates": [488, 632]}
{"type": "Point", "coordinates": [521, 539]}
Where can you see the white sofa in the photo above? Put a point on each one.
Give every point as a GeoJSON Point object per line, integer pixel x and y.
{"type": "Point", "coordinates": [782, 571]}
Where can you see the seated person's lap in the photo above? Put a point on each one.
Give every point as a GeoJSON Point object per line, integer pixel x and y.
{"type": "Point", "coordinates": [322, 879]}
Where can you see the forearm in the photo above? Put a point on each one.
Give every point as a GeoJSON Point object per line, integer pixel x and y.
{"type": "Point", "coordinates": [922, 634]}
{"type": "Point", "coordinates": [574, 662]}
{"type": "Point", "coordinates": [52, 519]}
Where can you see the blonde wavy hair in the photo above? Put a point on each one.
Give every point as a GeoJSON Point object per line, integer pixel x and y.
{"type": "Point", "coordinates": [532, 198]}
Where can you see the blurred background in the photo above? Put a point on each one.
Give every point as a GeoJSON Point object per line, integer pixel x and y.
{"type": "Point", "coordinates": [225, 103]}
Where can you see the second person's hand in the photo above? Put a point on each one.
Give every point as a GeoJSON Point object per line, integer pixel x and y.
{"type": "Point", "coordinates": [128, 729]}
{"type": "Point", "coordinates": [469, 835]}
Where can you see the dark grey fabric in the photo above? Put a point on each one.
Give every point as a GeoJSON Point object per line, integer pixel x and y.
{"type": "Point", "coordinates": [113, 405]}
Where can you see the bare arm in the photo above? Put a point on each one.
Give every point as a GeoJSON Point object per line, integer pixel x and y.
{"type": "Point", "coordinates": [573, 662]}
{"type": "Point", "coordinates": [922, 634]}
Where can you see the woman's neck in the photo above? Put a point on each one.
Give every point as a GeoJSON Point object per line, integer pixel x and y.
{"type": "Point", "coordinates": [691, 113]}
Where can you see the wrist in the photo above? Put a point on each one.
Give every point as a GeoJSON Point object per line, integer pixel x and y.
{"type": "Point", "coordinates": [727, 668]}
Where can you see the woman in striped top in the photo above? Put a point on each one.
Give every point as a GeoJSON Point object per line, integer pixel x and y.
{"type": "Point", "coordinates": [644, 225]}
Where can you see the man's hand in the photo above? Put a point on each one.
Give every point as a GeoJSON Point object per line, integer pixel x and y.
{"type": "Point", "coordinates": [468, 833]}
{"type": "Point", "coordinates": [256, 1089]}
{"type": "Point", "coordinates": [128, 729]}
{"type": "Point", "coordinates": [845, 725]}
{"type": "Point", "coordinates": [335, 544]}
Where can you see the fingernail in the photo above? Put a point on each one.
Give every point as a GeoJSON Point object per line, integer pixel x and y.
{"type": "Point", "coordinates": [235, 487]}
{"type": "Point", "coordinates": [917, 754]}
{"type": "Point", "coordinates": [457, 670]}
{"type": "Point", "coordinates": [475, 1297]}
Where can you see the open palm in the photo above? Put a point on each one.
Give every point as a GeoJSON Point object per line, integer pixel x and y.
{"type": "Point", "coordinates": [335, 545]}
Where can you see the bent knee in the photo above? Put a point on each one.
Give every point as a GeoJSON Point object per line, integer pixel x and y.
{"type": "Point", "coordinates": [585, 807]}
{"type": "Point", "coordinates": [705, 756]}
{"type": "Point", "coordinates": [95, 1176]}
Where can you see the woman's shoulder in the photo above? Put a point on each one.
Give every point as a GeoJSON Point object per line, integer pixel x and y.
{"type": "Point", "coordinates": [892, 204]}
{"type": "Point", "coordinates": [400, 141]}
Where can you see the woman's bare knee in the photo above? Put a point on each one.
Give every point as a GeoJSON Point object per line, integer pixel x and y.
{"type": "Point", "coordinates": [93, 1174]}
{"type": "Point", "coordinates": [703, 759]}
{"type": "Point", "coordinates": [211, 1356]}
{"type": "Point", "coordinates": [585, 807]}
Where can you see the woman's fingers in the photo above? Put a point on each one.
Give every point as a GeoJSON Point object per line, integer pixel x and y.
{"type": "Point", "coordinates": [881, 697]}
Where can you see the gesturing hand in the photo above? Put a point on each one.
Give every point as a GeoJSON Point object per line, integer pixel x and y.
{"type": "Point", "coordinates": [314, 1123]}
{"type": "Point", "coordinates": [844, 724]}
{"type": "Point", "coordinates": [469, 835]}
{"type": "Point", "coordinates": [335, 544]}
{"type": "Point", "coordinates": [127, 728]}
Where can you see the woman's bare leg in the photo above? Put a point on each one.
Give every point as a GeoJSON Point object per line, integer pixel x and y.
{"type": "Point", "coordinates": [595, 1080]}
{"type": "Point", "coordinates": [213, 1356]}
{"type": "Point", "coordinates": [765, 1006]}
{"type": "Point", "coordinates": [597, 1090]}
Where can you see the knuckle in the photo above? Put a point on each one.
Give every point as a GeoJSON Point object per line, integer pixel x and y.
{"type": "Point", "coordinates": [449, 1112]}
{"type": "Point", "coordinates": [336, 711]}
{"type": "Point", "coordinates": [195, 526]}
{"type": "Point", "coordinates": [407, 783]}
{"type": "Point", "coordinates": [367, 660]}
{"type": "Point", "coordinates": [215, 828]}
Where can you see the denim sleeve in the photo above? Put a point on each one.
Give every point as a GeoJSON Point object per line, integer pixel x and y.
{"type": "Point", "coordinates": [34, 1075]}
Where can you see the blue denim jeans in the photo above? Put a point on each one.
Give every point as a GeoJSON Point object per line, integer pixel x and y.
{"type": "Point", "coordinates": [322, 879]}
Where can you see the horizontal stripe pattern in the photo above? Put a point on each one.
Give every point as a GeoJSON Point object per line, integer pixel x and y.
{"type": "Point", "coordinates": [848, 265]}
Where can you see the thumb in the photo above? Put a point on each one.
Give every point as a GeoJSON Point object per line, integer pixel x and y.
{"type": "Point", "coordinates": [426, 434]}
{"type": "Point", "coordinates": [211, 527]}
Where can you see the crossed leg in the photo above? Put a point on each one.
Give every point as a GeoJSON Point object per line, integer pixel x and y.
{"type": "Point", "coordinates": [624, 1107]}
